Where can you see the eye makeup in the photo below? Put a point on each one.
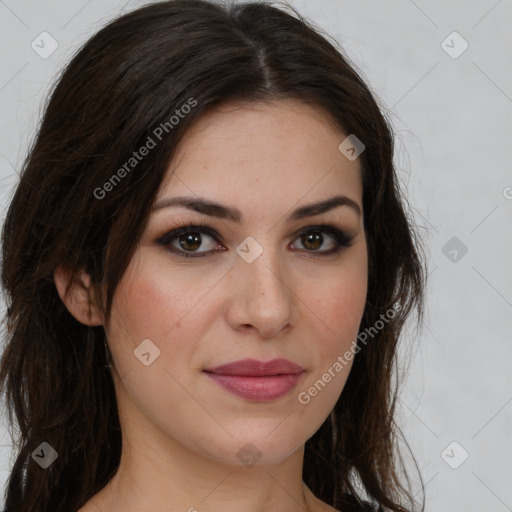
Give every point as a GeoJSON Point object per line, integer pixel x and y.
{"type": "Point", "coordinates": [194, 234]}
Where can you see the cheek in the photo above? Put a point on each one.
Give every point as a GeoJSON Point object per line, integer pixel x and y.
{"type": "Point", "coordinates": [160, 305]}
{"type": "Point", "coordinates": [337, 307]}
{"type": "Point", "coordinates": [152, 304]}
{"type": "Point", "coordinates": [341, 313]}
{"type": "Point", "coordinates": [337, 311]}
{"type": "Point", "coordinates": [153, 299]}
{"type": "Point", "coordinates": [340, 301]}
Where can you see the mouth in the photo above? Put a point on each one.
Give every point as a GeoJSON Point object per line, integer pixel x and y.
{"type": "Point", "coordinates": [256, 380]}
{"type": "Point", "coordinates": [262, 389]}
{"type": "Point", "coordinates": [255, 368]}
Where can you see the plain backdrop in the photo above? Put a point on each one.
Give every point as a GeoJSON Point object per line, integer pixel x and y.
{"type": "Point", "coordinates": [443, 72]}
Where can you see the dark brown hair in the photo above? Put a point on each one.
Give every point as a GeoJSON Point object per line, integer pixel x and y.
{"type": "Point", "coordinates": [128, 79]}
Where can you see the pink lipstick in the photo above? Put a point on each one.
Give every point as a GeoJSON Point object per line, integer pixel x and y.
{"type": "Point", "coordinates": [257, 380]}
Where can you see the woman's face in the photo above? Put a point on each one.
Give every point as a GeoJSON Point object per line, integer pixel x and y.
{"type": "Point", "coordinates": [260, 282]}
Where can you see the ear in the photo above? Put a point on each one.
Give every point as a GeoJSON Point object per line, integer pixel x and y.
{"type": "Point", "coordinates": [79, 299]}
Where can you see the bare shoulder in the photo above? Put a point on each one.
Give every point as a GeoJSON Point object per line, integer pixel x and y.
{"type": "Point", "coordinates": [89, 507]}
{"type": "Point", "coordinates": [320, 506]}
{"type": "Point", "coordinates": [325, 507]}
{"type": "Point", "coordinates": [315, 504]}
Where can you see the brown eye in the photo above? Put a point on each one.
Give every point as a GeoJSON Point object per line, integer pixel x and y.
{"type": "Point", "coordinates": [314, 238]}
{"type": "Point", "coordinates": [312, 241]}
{"type": "Point", "coordinates": [190, 242]}
{"type": "Point", "coordinates": [186, 241]}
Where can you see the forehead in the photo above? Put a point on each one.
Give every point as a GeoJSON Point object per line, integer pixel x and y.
{"type": "Point", "coordinates": [285, 151]}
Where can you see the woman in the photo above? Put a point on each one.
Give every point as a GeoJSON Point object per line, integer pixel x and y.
{"type": "Point", "coordinates": [207, 265]}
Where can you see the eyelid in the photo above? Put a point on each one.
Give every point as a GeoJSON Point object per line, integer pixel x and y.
{"type": "Point", "coordinates": [341, 236]}
{"type": "Point", "coordinates": [201, 227]}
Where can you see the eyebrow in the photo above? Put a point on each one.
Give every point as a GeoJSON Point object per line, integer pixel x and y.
{"type": "Point", "coordinates": [213, 209]}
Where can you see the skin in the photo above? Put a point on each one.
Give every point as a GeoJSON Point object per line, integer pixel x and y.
{"type": "Point", "coordinates": [181, 431]}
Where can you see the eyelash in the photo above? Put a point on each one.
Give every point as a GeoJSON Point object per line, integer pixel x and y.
{"type": "Point", "coordinates": [341, 238]}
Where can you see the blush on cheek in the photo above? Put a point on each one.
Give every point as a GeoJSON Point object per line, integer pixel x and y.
{"type": "Point", "coordinates": [346, 304]}
{"type": "Point", "coordinates": [158, 307]}
{"type": "Point", "coordinates": [343, 314]}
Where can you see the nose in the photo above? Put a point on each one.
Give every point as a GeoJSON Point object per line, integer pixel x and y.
{"type": "Point", "coordinates": [261, 296]}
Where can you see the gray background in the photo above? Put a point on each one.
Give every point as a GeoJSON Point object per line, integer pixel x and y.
{"type": "Point", "coordinates": [452, 116]}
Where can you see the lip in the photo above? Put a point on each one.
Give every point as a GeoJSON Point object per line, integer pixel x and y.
{"type": "Point", "coordinates": [257, 388]}
{"type": "Point", "coordinates": [255, 368]}
{"type": "Point", "coordinates": [257, 380]}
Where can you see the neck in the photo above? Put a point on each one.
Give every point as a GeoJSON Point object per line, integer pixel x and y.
{"type": "Point", "coordinates": [207, 487]}
{"type": "Point", "coordinates": [156, 472]}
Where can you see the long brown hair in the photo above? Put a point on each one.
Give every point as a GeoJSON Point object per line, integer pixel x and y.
{"type": "Point", "coordinates": [131, 77]}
